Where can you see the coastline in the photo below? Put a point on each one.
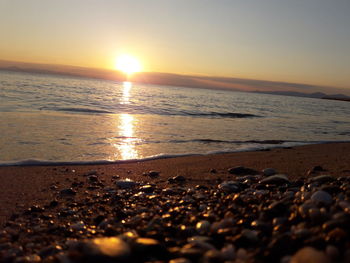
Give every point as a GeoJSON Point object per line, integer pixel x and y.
{"type": "Point", "coordinates": [23, 186]}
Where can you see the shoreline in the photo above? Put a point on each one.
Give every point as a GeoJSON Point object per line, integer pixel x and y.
{"type": "Point", "coordinates": [23, 186]}
{"type": "Point", "coordinates": [42, 162]}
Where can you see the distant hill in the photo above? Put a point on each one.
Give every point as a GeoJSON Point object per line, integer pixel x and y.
{"type": "Point", "coordinates": [318, 95]}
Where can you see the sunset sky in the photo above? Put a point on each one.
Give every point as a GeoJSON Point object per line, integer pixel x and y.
{"type": "Point", "coordinates": [306, 41]}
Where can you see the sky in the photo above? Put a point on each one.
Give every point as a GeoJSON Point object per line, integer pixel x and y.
{"type": "Point", "coordinates": [303, 41]}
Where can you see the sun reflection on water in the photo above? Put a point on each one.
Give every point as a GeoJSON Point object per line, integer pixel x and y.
{"type": "Point", "coordinates": [126, 124]}
{"type": "Point", "coordinates": [125, 99]}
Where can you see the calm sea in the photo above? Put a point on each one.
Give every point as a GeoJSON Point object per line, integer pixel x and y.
{"type": "Point", "coordinates": [69, 119]}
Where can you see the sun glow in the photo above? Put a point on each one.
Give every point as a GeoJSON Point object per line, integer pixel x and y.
{"type": "Point", "coordinates": [128, 64]}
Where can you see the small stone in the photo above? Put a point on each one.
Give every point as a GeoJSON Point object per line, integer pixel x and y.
{"type": "Point", "coordinates": [92, 178]}
{"type": "Point", "coordinates": [336, 236]}
{"type": "Point", "coordinates": [212, 255]}
{"type": "Point", "coordinates": [240, 170]}
{"type": "Point", "coordinates": [269, 171]}
{"type": "Point", "coordinates": [242, 255]}
{"type": "Point", "coordinates": [49, 251]}
{"type": "Point", "coordinates": [228, 252]}
{"type": "Point", "coordinates": [277, 179]}
{"type": "Point", "coordinates": [198, 239]}
{"type": "Point", "coordinates": [203, 227]}
{"type": "Point", "coordinates": [145, 247]}
{"type": "Point", "coordinates": [309, 255]}
{"type": "Point", "coordinates": [321, 179]}
{"type": "Point", "coordinates": [322, 197]}
{"type": "Point", "coordinates": [32, 258]}
{"type": "Point", "coordinates": [317, 168]}
{"type": "Point", "coordinates": [79, 226]}
{"type": "Point", "coordinates": [177, 179]}
{"type": "Point", "coordinates": [68, 192]}
{"type": "Point", "coordinates": [333, 253]}
{"type": "Point", "coordinates": [345, 206]}
{"type": "Point", "coordinates": [229, 187]}
{"type": "Point", "coordinates": [247, 238]}
{"type": "Point", "coordinates": [53, 187]}
{"type": "Point", "coordinates": [204, 246]}
{"type": "Point", "coordinates": [147, 188]}
{"type": "Point", "coordinates": [93, 172]}
{"type": "Point", "coordinates": [180, 260]}
{"type": "Point", "coordinates": [126, 184]}
{"type": "Point", "coordinates": [105, 249]}
{"type": "Point", "coordinates": [152, 174]}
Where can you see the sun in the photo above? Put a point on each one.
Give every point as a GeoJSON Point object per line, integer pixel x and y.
{"type": "Point", "coordinates": [128, 64]}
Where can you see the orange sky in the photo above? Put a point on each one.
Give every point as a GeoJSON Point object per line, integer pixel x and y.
{"type": "Point", "coordinates": [297, 41]}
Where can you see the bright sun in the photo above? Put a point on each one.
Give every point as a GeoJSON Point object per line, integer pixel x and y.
{"type": "Point", "coordinates": [128, 64]}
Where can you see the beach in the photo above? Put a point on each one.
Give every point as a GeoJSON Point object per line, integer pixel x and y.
{"type": "Point", "coordinates": [203, 208]}
{"type": "Point", "coordinates": [69, 212]}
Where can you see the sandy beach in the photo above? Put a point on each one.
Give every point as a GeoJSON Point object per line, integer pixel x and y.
{"type": "Point", "coordinates": [23, 186]}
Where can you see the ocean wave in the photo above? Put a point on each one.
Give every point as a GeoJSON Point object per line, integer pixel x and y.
{"type": "Point", "coordinates": [137, 110]}
{"type": "Point", "coordinates": [269, 142]}
{"type": "Point", "coordinates": [232, 115]}
{"type": "Point", "coordinates": [79, 110]}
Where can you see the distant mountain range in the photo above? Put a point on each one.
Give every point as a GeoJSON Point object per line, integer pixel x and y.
{"type": "Point", "coordinates": [318, 95]}
{"type": "Point", "coordinates": [169, 79]}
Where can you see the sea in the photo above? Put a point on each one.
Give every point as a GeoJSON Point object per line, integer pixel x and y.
{"type": "Point", "coordinates": [55, 119]}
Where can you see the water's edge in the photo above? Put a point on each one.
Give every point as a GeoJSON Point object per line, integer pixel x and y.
{"type": "Point", "coordinates": [36, 162]}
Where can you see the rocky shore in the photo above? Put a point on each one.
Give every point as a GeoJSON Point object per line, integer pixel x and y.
{"type": "Point", "coordinates": [251, 216]}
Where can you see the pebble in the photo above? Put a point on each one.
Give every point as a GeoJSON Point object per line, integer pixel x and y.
{"type": "Point", "coordinates": [177, 179]}
{"type": "Point", "coordinates": [321, 179]}
{"type": "Point", "coordinates": [203, 227]}
{"type": "Point", "coordinates": [309, 255]}
{"type": "Point", "coordinates": [322, 197]}
{"type": "Point", "coordinates": [241, 170]}
{"type": "Point", "coordinates": [229, 187]}
{"type": "Point", "coordinates": [92, 178]}
{"type": "Point", "coordinates": [152, 174]}
{"type": "Point", "coordinates": [79, 226]}
{"type": "Point", "coordinates": [104, 249]}
{"type": "Point", "coordinates": [126, 183]}
{"type": "Point", "coordinates": [277, 179]}
{"type": "Point", "coordinates": [180, 260]}
{"type": "Point", "coordinates": [269, 171]}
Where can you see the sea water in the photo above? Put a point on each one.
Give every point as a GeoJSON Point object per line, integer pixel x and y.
{"type": "Point", "coordinates": [56, 118]}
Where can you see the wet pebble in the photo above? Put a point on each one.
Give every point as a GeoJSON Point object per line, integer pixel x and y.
{"type": "Point", "coordinates": [229, 187]}
{"type": "Point", "coordinates": [126, 184]}
{"type": "Point", "coordinates": [322, 197]}
{"type": "Point", "coordinates": [241, 170]}
{"type": "Point", "coordinates": [321, 179]}
{"type": "Point", "coordinates": [203, 227]}
{"type": "Point", "coordinates": [177, 179]}
{"type": "Point", "coordinates": [269, 171]}
{"type": "Point", "coordinates": [152, 174]}
{"type": "Point", "coordinates": [103, 249]}
{"type": "Point", "coordinates": [309, 255]}
{"type": "Point", "coordinates": [277, 179]}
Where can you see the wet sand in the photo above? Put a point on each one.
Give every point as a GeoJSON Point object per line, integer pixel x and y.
{"type": "Point", "coordinates": [23, 186]}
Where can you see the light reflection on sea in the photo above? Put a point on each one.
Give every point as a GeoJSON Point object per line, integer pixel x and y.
{"type": "Point", "coordinates": [72, 119]}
